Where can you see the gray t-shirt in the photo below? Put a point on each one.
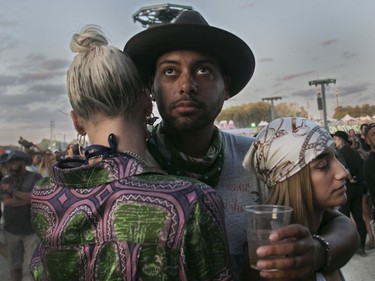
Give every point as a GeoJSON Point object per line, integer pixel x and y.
{"type": "Point", "coordinates": [238, 188]}
{"type": "Point", "coordinates": [17, 220]}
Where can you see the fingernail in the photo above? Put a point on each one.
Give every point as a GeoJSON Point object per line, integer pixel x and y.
{"type": "Point", "coordinates": [273, 236]}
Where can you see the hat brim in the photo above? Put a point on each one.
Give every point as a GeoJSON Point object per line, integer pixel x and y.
{"type": "Point", "coordinates": [16, 155]}
{"type": "Point", "coordinates": [237, 58]}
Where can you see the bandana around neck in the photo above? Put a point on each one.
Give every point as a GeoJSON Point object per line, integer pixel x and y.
{"type": "Point", "coordinates": [284, 147]}
{"type": "Point", "coordinates": [175, 162]}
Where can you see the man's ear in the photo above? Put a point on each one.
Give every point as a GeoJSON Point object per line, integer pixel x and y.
{"type": "Point", "coordinates": [148, 97]}
{"type": "Point", "coordinates": [77, 123]}
{"type": "Point", "coordinates": [151, 86]}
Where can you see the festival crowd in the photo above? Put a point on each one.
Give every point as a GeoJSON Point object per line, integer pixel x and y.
{"type": "Point", "coordinates": [167, 203]}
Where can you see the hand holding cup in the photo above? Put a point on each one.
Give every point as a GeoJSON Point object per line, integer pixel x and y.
{"type": "Point", "coordinates": [261, 221]}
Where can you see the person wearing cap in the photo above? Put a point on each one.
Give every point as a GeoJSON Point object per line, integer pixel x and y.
{"type": "Point", "coordinates": [369, 165]}
{"type": "Point", "coordinates": [351, 159]}
{"type": "Point", "coordinates": [295, 158]}
{"type": "Point", "coordinates": [191, 68]}
{"type": "Point", "coordinates": [110, 216]}
{"type": "Point", "coordinates": [15, 192]}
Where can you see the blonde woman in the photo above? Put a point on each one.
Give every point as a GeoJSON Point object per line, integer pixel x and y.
{"type": "Point", "coordinates": [295, 158]}
{"type": "Point", "coordinates": [109, 216]}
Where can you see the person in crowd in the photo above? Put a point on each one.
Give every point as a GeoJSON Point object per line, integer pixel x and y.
{"type": "Point", "coordinates": [72, 151]}
{"type": "Point", "coordinates": [58, 154]}
{"type": "Point", "coordinates": [357, 145]}
{"type": "Point", "coordinates": [109, 216]}
{"type": "Point", "coordinates": [2, 246]}
{"type": "Point", "coordinates": [362, 138]}
{"type": "Point", "coordinates": [369, 165]}
{"type": "Point", "coordinates": [191, 68]}
{"type": "Point", "coordinates": [295, 158]}
{"type": "Point", "coordinates": [15, 193]}
{"type": "Point", "coordinates": [352, 136]}
{"type": "Point", "coordinates": [351, 159]}
{"type": "Point", "coordinates": [36, 158]}
{"type": "Point", "coordinates": [367, 205]}
{"type": "Point", "coordinates": [46, 163]}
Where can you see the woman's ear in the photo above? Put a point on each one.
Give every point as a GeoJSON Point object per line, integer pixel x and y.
{"type": "Point", "coordinates": [77, 123]}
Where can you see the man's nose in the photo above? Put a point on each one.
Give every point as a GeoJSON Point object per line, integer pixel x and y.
{"type": "Point", "coordinates": [187, 84]}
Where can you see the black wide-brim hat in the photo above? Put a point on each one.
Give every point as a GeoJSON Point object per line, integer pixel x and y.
{"type": "Point", "coordinates": [16, 155]}
{"type": "Point", "coordinates": [341, 134]}
{"type": "Point", "coordinates": [190, 31]}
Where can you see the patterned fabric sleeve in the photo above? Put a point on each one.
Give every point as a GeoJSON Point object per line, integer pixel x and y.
{"type": "Point", "coordinates": [205, 242]}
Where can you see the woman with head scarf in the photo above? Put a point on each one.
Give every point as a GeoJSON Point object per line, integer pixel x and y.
{"type": "Point", "coordinates": [295, 158]}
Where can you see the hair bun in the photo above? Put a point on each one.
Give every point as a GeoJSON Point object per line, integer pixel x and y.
{"type": "Point", "coordinates": [90, 37]}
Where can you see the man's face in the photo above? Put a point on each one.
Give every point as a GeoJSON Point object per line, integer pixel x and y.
{"type": "Point", "coordinates": [370, 138]}
{"type": "Point", "coordinates": [338, 142]}
{"type": "Point", "coordinates": [189, 89]}
{"type": "Point", "coordinates": [16, 167]}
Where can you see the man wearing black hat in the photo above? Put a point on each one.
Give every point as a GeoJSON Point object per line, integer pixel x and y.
{"type": "Point", "coordinates": [15, 189]}
{"type": "Point", "coordinates": [191, 68]}
{"type": "Point", "coordinates": [352, 160]}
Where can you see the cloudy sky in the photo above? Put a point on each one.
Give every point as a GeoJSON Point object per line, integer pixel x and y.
{"type": "Point", "coordinates": [294, 42]}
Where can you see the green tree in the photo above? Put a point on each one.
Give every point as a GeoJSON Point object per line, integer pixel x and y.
{"type": "Point", "coordinates": [357, 111]}
{"type": "Point", "coordinates": [290, 109]}
{"type": "Point", "coordinates": [245, 114]}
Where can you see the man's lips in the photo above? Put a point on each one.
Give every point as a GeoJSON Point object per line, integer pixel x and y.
{"type": "Point", "coordinates": [186, 107]}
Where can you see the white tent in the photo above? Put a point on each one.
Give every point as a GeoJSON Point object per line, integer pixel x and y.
{"type": "Point", "coordinates": [262, 123]}
{"type": "Point", "coordinates": [347, 118]}
{"type": "Point", "coordinates": [365, 118]}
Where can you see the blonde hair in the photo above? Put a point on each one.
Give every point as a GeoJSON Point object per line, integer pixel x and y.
{"type": "Point", "coordinates": [45, 165]}
{"type": "Point", "coordinates": [295, 191]}
{"type": "Point", "coordinates": [101, 78]}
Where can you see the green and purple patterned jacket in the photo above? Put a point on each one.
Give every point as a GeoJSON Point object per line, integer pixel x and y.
{"type": "Point", "coordinates": [117, 220]}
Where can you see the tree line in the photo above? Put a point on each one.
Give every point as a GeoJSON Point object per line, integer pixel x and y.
{"type": "Point", "coordinates": [245, 114]}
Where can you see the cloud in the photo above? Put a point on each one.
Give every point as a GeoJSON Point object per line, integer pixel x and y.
{"type": "Point", "coordinates": [345, 93]}
{"type": "Point", "coordinates": [329, 42]}
{"type": "Point", "coordinates": [5, 23]}
{"type": "Point", "coordinates": [266, 60]}
{"type": "Point", "coordinates": [292, 76]}
{"type": "Point", "coordinates": [7, 43]}
{"type": "Point", "coordinates": [354, 89]}
{"type": "Point", "coordinates": [247, 5]}
{"type": "Point", "coordinates": [37, 61]}
{"type": "Point", "coordinates": [348, 55]}
{"type": "Point", "coordinates": [8, 80]}
{"type": "Point", "coordinates": [37, 76]}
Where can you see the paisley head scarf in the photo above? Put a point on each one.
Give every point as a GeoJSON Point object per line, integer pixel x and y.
{"type": "Point", "coordinates": [284, 147]}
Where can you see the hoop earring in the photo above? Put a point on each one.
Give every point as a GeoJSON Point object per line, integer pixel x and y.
{"type": "Point", "coordinates": [150, 119]}
{"type": "Point", "coordinates": [81, 139]}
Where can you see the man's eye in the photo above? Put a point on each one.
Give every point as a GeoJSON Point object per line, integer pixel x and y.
{"type": "Point", "coordinates": [203, 70]}
{"type": "Point", "coordinates": [169, 71]}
